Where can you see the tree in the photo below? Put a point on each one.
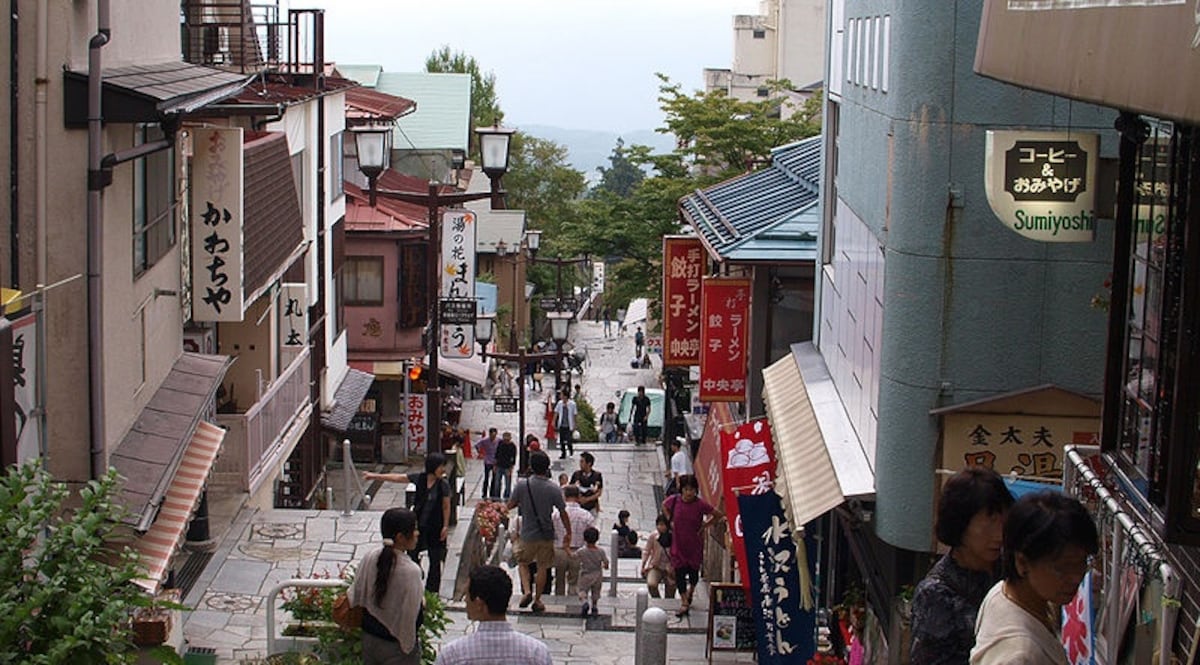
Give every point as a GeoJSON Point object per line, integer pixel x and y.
{"type": "Point", "coordinates": [485, 106]}
{"type": "Point", "coordinates": [543, 184]}
{"type": "Point", "coordinates": [66, 590]}
{"type": "Point", "coordinates": [622, 176]}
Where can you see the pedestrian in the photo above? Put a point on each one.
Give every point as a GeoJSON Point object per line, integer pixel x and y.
{"type": "Point", "coordinates": [506, 459]}
{"type": "Point", "coordinates": [627, 538]}
{"type": "Point", "coordinates": [431, 504]}
{"type": "Point", "coordinates": [551, 430]}
{"type": "Point", "coordinates": [563, 480]}
{"type": "Point", "coordinates": [565, 411]}
{"type": "Point", "coordinates": [578, 394]}
{"type": "Point", "coordinates": [970, 521]}
{"type": "Point", "coordinates": [1049, 540]}
{"type": "Point", "coordinates": [536, 496]}
{"type": "Point", "coordinates": [589, 481]}
{"type": "Point", "coordinates": [608, 423]}
{"type": "Point", "coordinates": [534, 370]}
{"type": "Point", "coordinates": [690, 515]}
{"type": "Point", "coordinates": [592, 564]}
{"type": "Point", "coordinates": [387, 587]}
{"type": "Point", "coordinates": [494, 640]}
{"type": "Point", "coordinates": [639, 342]}
{"type": "Point", "coordinates": [680, 466]}
{"type": "Point", "coordinates": [486, 447]}
{"type": "Point", "coordinates": [656, 562]}
{"type": "Point", "coordinates": [641, 415]}
{"type": "Point", "coordinates": [566, 567]}
{"type": "Point", "coordinates": [607, 321]}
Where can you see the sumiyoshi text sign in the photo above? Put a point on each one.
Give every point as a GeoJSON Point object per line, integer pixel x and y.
{"type": "Point", "coordinates": [724, 332]}
{"type": "Point", "coordinates": [1042, 184]}
{"type": "Point", "coordinates": [683, 266]}
{"type": "Point", "coordinates": [217, 217]}
{"type": "Point", "coordinates": [457, 340]}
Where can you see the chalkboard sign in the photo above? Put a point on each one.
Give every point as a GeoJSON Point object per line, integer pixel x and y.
{"type": "Point", "coordinates": [730, 620]}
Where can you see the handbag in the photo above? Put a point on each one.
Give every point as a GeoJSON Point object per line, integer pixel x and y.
{"type": "Point", "coordinates": [345, 616]}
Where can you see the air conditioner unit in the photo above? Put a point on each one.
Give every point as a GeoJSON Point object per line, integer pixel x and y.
{"type": "Point", "coordinates": [200, 340]}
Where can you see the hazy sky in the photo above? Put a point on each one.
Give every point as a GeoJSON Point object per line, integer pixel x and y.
{"type": "Point", "coordinates": [579, 64]}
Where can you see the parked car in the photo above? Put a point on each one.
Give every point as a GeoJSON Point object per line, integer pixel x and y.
{"type": "Point", "coordinates": [658, 400]}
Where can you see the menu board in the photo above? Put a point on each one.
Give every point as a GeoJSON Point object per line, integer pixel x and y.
{"type": "Point", "coordinates": [730, 620]}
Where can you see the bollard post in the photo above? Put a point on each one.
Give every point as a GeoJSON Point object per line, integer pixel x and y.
{"type": "Point", "coordinates": [612, 571]}
{"type": "Point", "coordinates": [347, 478]}
{"type": "Point", "coordinates": [643, 601]}
{"type": "Point", "coordinates": [653, 640]}
{"type": "Point", "coordinates": [329, 498]}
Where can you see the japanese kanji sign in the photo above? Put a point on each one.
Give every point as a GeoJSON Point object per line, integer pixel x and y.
{"type": "Point", "coordinates": [25, 377]}
{"type": "Point", "coordinates": [683, 266]}
{"type": "Point", "coordinates": [1027, 445]}
{"type": "Point", "coordinates": [1042, 184]}
{"type": "Point", "coordinates": [293, 317]}
{"type": "Point", "coordinates": [457, 340]}
{"type": "Point", "coordinates": [598, 277]}
{"type": "Point", "coordinates": [708, 458]}
{"type": "Point", "coordinates": [217, 217]}
{"type": "Point", "coordinates": [785, 629]}
{"type": "Point", "coordinates": [417, 426]}
{"type": "Point", "coordinates": [1077, 637]}
{"type": "Point", "coordinates": [724, 335]}
{"type": "Point", "coordinates": [748, 459]}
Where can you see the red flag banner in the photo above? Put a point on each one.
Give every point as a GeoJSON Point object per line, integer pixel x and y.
{"type": "Point", "coordinates": [683, 266]}
{"type": "Point", "coordinates": [708, 463]}
{"type": "Point", "coordinates": [724, 331]}
{"type": "Point", "coordinates": [748, 467]}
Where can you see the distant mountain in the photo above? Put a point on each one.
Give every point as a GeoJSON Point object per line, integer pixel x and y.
{"type": "Point", "coordinates": [589, 149]}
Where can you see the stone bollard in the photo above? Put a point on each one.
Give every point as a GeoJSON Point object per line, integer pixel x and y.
{"type": "Point", "coordinates": [653, 639]}
{"type": "Point", "coordinates": [643, 601]}
{"type": "Point", "coordinates": [612, 556]}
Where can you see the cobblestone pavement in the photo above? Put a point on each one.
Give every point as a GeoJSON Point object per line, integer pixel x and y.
{"type": "Point", "coordinates": [265, 547]}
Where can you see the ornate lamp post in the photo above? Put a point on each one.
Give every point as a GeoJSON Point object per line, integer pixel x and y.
{"type": "Point", "coordinates": [373, 143]}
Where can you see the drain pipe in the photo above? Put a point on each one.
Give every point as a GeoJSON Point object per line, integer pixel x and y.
{"type": "Point", "coordinates": [96, 183]}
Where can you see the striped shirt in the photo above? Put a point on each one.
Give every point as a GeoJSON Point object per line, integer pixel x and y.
{"type": "Point", "coordinates": [495, 642]}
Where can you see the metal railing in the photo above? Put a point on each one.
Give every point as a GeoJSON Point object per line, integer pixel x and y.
{"type": "Point", "coordinates": [251, 37]}
{"type": "Point", "coordinates": [254, 437]}
{"type": "Point", "coordinates": [274, 643]}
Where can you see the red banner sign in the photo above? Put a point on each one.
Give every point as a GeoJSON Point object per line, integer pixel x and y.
{"type": "Point", "coordinates": [724, 331]}
{"type": "Point", "coordinates": [748, 467]}
{"type": "Point", "coordinates": [683, 266]}
{"type": "Point", "coordinates": [708, 463]}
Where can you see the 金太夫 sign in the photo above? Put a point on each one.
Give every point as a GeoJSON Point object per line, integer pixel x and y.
{"type": "Point", "coordinates": [1042, 184]}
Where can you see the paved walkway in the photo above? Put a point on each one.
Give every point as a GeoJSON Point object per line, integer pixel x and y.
{"type": "Point", "coordinates": [265, 547]}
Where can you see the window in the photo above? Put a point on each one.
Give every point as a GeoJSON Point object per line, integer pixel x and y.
{"type": "Point", "coordinates": [362, 280]}
{"type": "Point", "coordinates": [760, 34]}
{"type": "Point", "coordinates": [1152, 431]}
{"type": "Point", "coordinates": [828, 227]}
{"type": "Point", "coordinates": [153, 201]}
{"type": "Point", "coordinates": [763, 92]}
{"type": "Point", "coordinates": [337, 184]}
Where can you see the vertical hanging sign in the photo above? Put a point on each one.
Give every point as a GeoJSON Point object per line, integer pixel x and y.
{"type": "Point", "coordinates": [457, 340]}
{"type": "Point", "coordinates": [785, 626]}
{"type": "Point", "coordinates": [415, 419]}
{"type": "Point", "coordinates": [748, 456]}
{"type": "Point", "coordinates": [683, 264]}
{"type": "Point", "coordinates": [724, 330]}
{"type": "Point", "coordinates": [293, 318]}
{"type": "Point", "coordinates": [216, 225]}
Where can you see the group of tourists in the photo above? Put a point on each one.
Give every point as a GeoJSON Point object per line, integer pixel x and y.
{"type": "Point", "coordinates": [963, 612]}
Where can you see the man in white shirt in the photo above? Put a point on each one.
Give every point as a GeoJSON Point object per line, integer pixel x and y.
{"type": "Point", "coordinates": [564, 417]}
{"type": "Point", "coordinates": [680, 465]}
{"type": "Point", "coordinates": [566, 567]}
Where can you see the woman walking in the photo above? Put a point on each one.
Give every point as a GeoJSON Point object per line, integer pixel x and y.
{"type": "Point", "coordinates": [690, 515]}
{"type": "Point", "coordinates": [388, 588]}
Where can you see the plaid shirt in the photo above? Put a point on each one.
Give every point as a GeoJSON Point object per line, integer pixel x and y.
{"type": "Point", "coordinates": [580, 521]}
{"type": "Point", "coordinates": [495, 642]}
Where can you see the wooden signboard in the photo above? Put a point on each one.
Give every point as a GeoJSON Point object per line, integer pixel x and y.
{"type": "Point", "coordinates": [730, 620]}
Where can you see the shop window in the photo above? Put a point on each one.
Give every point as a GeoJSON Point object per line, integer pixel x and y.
{"type": "Point", "coordinates": [760, 34]}
{"type": "Point", "coordinates": [1154, 432]}
{"type": "Point", "coordinates": [362, 281]}
{"type": "Point", "coordinates": [153, 201]}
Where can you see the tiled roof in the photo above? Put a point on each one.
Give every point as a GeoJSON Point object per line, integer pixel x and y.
{"type": "Point", "coordinates": [443, 116]}
{"type": "Point", "coordinates": [387, 215]}
{"type": "Point", "coordinates": [760, 208]}
{"type": "Point", "coordinates": [367, 103]}
{"type": "Point", "coordinates": [347, 398]}
{"type": "Point", "coordinates": [144, 93]}
{"type": "Point", "coordinates": [280, 90]}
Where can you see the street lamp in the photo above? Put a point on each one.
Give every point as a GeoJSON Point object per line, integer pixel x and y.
{"type": "Point", "coordinates": [484, 326]}
{"type": "Point", "coordinates": [373, 143]}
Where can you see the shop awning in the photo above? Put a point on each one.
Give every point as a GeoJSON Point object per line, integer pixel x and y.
{"type": "Point", "coordinates": [820, 460]}
{"type": "Point", "coordinates": [158, 545]}
{"type": "Point", "coordinates": [346, 399]}
{"type": "Point", "coordinates": [472, 370]}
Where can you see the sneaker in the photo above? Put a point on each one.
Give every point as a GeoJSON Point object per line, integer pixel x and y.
{"type": "Point", "coordinates": [525, 600]}
{"type": "Point", "coordinates": [584, 611]}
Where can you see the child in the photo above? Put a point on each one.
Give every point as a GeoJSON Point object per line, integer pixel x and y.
{"type": "Point", "coordinates": [656, 563]}
{"type": "Point", "coordinates": [627, 542]}
{"type": "Point", "coordinates": [592, 564]}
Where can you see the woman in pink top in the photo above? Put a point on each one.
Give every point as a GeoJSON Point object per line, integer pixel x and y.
{"type": "Point", "coordinates": [688, 513]}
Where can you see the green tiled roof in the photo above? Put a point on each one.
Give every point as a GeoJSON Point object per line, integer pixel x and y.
{"type": "Point", "coordinates": [442, 120]}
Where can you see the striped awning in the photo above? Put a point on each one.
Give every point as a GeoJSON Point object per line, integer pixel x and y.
{"type": "Point", "coordinates": [159, 544]}
{"type": "Point", "coordinates": [820, 462]}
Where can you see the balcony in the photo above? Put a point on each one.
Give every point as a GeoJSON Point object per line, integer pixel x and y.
{"type": "Point", "coordinates": [260, 439]}
{"type": "Point", "coordinates": [251, 37]}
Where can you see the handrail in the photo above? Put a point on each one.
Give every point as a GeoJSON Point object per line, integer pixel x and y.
{"type": "Point", "coordinates": [274, 592]}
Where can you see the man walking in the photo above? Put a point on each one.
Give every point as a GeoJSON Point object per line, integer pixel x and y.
{"type": "Point", "coordinates": [641, 415]}
{"type": "Point", "coordinates": [566, 566]}
{"type": "Point", "coordinates": [565, 411]}
{"type": "Point", "coordinates": [607, 321]}
{"type": "Point", "coordinates": [494, 641]}
{"type": "Point", "coordinates": [506, 459]}
{"type": "Point", "coordinates": [486, 447]}
{"type": "Point", "coordinates": [537, 496]}
{"type": "Point", "coordinates": [639, 342]}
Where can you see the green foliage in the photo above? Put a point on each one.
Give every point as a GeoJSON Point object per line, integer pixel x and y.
{"type": "Point", "coordinates": [66, 587]}
{"type": "Point", "coordinates": [432, 627]}
{"type": "Point", "coordinates": [485, 106]}
{"type": "Point", "coordinates": [622, 176]}
{"type": "Point", "coordinates": [585, 421]}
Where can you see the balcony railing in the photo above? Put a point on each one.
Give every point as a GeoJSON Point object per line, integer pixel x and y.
{"type": "Point", "coordinates": [252, 37]}
{"type": "Point", "coordinates": [256, 440]}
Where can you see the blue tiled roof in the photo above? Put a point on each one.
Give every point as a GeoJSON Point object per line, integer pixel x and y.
{"type": "Point", "coordinates": [767, 215]}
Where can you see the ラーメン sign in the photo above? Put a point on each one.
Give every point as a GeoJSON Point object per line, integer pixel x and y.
{"type": "Point", "coordinates": [1042, 184]}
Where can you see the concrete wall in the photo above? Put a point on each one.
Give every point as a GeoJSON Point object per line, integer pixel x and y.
{"type": "Point", "coordinates": [969, 309]}
{"type": "Point", "coordinates": [801, 47]}
{"type": "Point", "coordinates": [358, 317]}
{"type": "Point", "coordinates": [753, 56]}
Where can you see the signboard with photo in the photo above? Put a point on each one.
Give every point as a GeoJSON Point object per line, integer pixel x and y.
{"type": "Point", "coordinates": [730, 620]}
